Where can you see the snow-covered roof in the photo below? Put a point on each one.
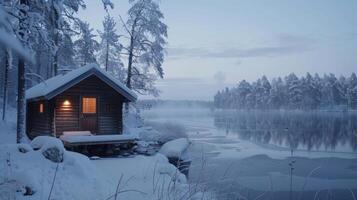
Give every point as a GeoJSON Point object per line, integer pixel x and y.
{"type": "Point", "coordinates": [58, 84]}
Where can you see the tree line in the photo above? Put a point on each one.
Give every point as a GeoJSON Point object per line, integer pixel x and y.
{"type": "Point", "coordinates": [291, 92]}
{"type": "Point", "coordinates": [48, 38]}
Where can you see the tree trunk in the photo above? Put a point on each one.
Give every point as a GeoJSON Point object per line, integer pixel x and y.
{"type": "Point", "coordinates": [55, 20]}
{"type": "Point", "coordinates": [107, 56]}
{"type": "Point", "coordinates": [128, 78]}
{"type": "Point", "coordinates": [21, 101]}
{"type": "Point", "coordinates": [7, 66]}
{"type": "Point", "coordinates": [55, 58]}
{"type": "Point", "coordinates": [130, 63]}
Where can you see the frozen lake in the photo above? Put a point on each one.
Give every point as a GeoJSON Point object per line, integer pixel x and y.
{"type": "Point", "coordinates": [270, 155]}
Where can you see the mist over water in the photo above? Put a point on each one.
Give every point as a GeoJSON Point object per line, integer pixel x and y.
{"type": "Point", "coordinates": [246, 155]}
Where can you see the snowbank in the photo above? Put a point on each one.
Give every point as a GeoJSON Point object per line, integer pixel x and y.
{"type": "Point", "coordinates": [146, 177]}
{"type": "Point", "coordinates": [163, 132]}
{"type": "Point", "coordinates": [175, 148]}
{"type": "Point", "coordinates": [8, 127]}
{"type": "Point", "coordinates": [150, 134]}
{"type": "Point", "coordinates": [27, 174]}
{"type": "Point", "coordinates": [7, 134]}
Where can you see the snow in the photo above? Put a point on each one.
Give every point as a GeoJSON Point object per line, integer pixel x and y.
{"type": "Point", "coordinates": [76, 133]}
{"type": "Point", "coordinates": [162, 132]}
{"type": "Point", "coordinates": [76, 177]}
{"type": "Point", "coordinates": [46, 142]}
{"type": "Point", "coordinates": [46, 87]}
{"type": "Point", "coordinates": [11, 42]}
{"type": "Point", "coordinates": [95, 138]}
{"type": "Point", "coordinates": [175, 148]}
{"type": "Point", "coordinates": [146, 177]}
{"type": "Point", "coordinates": [7, 134]}
{"type": "Point", "coordinates": [8, 40]}
{"type": "Point", "coordinates": [140, 177]}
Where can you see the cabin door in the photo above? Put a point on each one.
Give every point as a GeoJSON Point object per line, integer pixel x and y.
{"type": "Point", "coordinates": [88, 115]}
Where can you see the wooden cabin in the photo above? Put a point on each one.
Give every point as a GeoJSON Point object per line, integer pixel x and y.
{"type": "Point", "coordinates": [85, 99]}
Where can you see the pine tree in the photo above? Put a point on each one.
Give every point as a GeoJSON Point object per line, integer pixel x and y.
{"type": "Point", "coordinates": [110, 49]}
{"type": "Point", "coordinates": [311, 94]}
{"type": "Point", "coordinates": [293, 91]}
{"type": "Point", "coordinates": [277, 95]}
{"type": "Point", "coordinates": [352, 91]}
{"type": "Point", "coordinates": [86, 45]}
{"type": "Point", "coordinates": [244, 89]}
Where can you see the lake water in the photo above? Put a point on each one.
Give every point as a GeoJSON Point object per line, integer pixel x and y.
{"type": "Point", "coordinates": [270, 155]}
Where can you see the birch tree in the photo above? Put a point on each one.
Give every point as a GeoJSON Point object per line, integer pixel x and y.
{"type": "Point", "coordinates": [146, 34]}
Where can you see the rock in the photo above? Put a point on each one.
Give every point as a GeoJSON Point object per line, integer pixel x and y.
{"type": "Point", "coordinates": [24, 148]}
{"type": "Point", "coordinates": [53, 154]}
{"type": "Point", "coordinates": [39, 141]}
{"type": "Point", "coordinates": [28, 191]}
{"type": "Point", "coordinates": [51, 148]}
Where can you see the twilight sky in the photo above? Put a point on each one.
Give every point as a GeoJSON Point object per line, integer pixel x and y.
{"type": "Point", "coordinates": [217, 43]}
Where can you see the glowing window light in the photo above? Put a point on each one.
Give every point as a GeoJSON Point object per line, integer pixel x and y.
{"type": "Point", "coordinates": [66, 103]}
{"type": "Point", "coordinates": [89, 105]}
{"type": "Point", "coordinates": [41, 108]}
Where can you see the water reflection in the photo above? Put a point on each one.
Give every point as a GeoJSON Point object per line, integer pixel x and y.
{"type": "Point", "coordinates": [296, 130]}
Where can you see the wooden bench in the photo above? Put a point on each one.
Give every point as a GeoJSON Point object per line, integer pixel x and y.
{"type": "Point", "coordinates": [89, 144]}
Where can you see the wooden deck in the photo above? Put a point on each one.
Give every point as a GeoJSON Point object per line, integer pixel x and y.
{"type": "Point", "coordinates": [73, 140]}
{"type": "Point", "coordinates": [98, 144]}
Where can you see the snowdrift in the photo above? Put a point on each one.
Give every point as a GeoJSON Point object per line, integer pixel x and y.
{"type": "Point", "coordinates": [45, 169]}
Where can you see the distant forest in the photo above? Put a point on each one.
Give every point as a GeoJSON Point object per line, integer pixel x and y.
{"type": "Point", "coordinates": [291, 92]}
{"type": "Point", "coordinates": [154, 103]}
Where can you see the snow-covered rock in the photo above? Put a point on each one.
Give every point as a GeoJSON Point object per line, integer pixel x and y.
{"type": "Point", "coordinates": [29, 175]}
{"type": "Point", "coordinates": [175, 148]}
{"type": "Point", "coordinates": [50, 147]}
{"type": "Point", "coordinates": [162, 132]}
{"type": "Point", "coordinates": [24, 148]}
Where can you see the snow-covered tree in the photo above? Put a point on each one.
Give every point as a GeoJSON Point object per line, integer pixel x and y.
{"type": "Point", "coordinates": [309, 92]}
{"type": "Point", "coordinates": [107, 3]}
{"type": "Point", "coordinates": [110, 49]}
{"type": "Point", "coordinates": [145, 49]}
{"type": "Point", "coordinates": [293, 91]}
{"type": "Point", "coordinates": [262, 92]}
{"type": "Point", "coordinates": [85, 45]}
{"type": "Point", "coordinates": [65, 52]}
{"type": "Point", "coordinates": [331, 91]}
{"type": "Point", "coordinates": [60, 20]}
{"type": "Point", "coordinates": [244, 89]}
{"type": "Point", "coordinates": [277, 95]}
{"type": "Point", "coordinates": [23, 33]}
{"type": "Point", "coordinates": [352, 91]}
{"type": "Point", "coordinates": [8, 62]}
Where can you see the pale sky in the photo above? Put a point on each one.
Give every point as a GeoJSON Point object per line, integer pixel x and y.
{"type": "Point", "coordinates": [217, 43]}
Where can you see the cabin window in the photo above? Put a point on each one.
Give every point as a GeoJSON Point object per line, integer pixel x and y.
{"type": "Point", "coordinates": [40, 108]}
{"type": "Point", "coordinates": [89, 105]}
